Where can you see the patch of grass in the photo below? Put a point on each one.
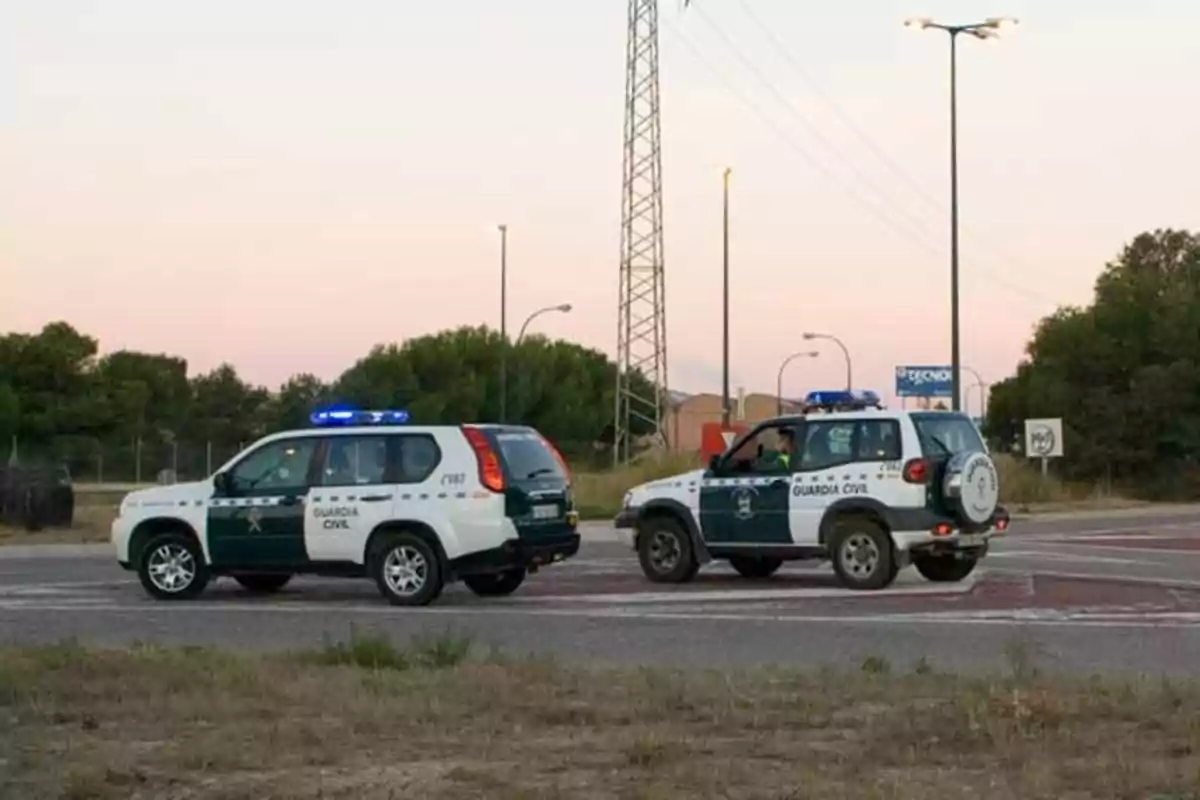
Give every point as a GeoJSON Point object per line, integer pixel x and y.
{"type": "Point", "coordinates": [377, 652]}
{"type": "Point", "coordinates": [599, 494]}
{"type": "Point", "coordinates": [158, 722]}
{"type": "Point", "coordinates": [1023, 489]}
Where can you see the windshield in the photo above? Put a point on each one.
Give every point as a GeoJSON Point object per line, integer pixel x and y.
{"type": "Point", "coordinates": [947, 434]}
{"type": "Point", "coordinates": [527, 456]}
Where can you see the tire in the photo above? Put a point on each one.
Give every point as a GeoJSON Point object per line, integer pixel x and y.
{"type": "Point", "coordinates": [171, 567]}
{"type": "Point", "coordinates": [755, 566]}
{"type": "Point", "coordinates": [944, 569]}
{"type": "Point", "coordinates": [263, 582]}
{"type": "Point", "coordinates": [861, 551]}
{"type": "Point", "coordinates": [406, 570]}
{"type": "Point", "coordinates": [665, 551]}
{"type": "Point", "coordinates": [498, 584]}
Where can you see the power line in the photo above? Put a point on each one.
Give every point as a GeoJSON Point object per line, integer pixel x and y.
{"type": "Point", "coordinates": [863, 136]}
{"type": "Point", "coordinates": [922, 232]}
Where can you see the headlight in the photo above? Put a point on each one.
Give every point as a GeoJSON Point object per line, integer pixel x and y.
{"type": "Point", "coordinates": [628, 501]}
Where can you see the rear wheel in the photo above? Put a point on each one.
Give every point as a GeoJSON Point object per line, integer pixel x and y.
{"type": "Point", "coordinates": [755, 566]}
{"type": "Point", "coordinates": [263, 583]}
{"type": "Point", "coordinates": [406, 569]}
{"type": "Point", "coordinates": [497, 584]}
{"type": "Point", "coordinates": [171, 567]}
{"type": "Point", "coordinates": [665, 551]}
{"type": "Point", "coordinates": [862, 555]}
{"type": "Point", "coordinates": [944, 569]}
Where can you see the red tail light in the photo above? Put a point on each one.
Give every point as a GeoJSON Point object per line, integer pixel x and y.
{"type": "Point", "coordinates": [916, 471]}
{"type": "Point", "coordinates": [562, 462]}
{"type": "Point", "coordinates": [490, 473]}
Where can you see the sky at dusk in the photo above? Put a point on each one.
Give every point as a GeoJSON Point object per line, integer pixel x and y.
{"type": "Point", "coordinates": [282, 185]}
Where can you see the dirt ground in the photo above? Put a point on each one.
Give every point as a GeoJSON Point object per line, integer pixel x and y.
{"type": "Point", "coordinates": [437, 720]}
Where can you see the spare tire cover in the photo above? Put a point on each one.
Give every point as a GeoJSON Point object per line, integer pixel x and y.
{"type": "Point", "coordinates": [977, 492]}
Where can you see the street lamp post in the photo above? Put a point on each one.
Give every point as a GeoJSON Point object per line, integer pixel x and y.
{"type": "Point", "coordinates": [725, 410]}
{"type": "Point", "coordinates": [503, 322]}
{"type": "Point", "coordinates": [988, 29]}
{"type": "Point", "coordinates": [779, 379]}
{"type": "Point", "coordinates": [845, 353]}
{"type": "Point", "coordinates": [562, 308]}
{"type": "Point", "coordinates": [982, 384]}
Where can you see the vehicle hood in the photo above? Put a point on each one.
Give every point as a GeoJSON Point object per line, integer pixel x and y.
{"type": "Point", "coordinates": [662, 487]}
{"type": "Point", "coordinates": [164, 496]}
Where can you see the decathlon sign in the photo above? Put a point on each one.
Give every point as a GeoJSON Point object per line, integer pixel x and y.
{"type": "Point", "coordinates": [924, 381]}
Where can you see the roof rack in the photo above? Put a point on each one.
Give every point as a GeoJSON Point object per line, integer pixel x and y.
{"type": "Point", "coordinates": [841, 400]}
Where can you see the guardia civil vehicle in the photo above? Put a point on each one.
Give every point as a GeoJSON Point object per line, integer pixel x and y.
{"type": "Point", "coordinates": [360, 494]}
{"type": "Point", "coordinates": [846, 480]}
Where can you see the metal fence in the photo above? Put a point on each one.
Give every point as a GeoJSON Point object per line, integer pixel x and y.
{"type": "Point", "coordinates": [144, 461]}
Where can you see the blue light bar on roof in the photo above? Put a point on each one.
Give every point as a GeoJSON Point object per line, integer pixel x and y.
{"type": "Point", "coordinates": [842, 399]}
{"type": "Point", "coordinates": [348, 416]}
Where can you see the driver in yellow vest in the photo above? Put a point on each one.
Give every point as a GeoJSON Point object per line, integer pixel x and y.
{"type": "Point", "coordinates": [786, 442]}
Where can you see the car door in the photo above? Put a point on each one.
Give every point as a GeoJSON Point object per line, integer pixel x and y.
{"type": "Point", "coordinates": [744, 500]}
{"type": "Point", "coordinates": [839, 458]}
{"type": "Point", "coordinates": [354, 491]}
{"type": "Point", "coordinates": [256, 515]}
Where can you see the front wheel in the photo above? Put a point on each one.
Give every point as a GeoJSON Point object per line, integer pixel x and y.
{"type": "Point", "coordinates": [263, 583]}
{"type": "Point", "coordinates": [171, 567]}
{"type": "Point", "coordinates": [406, 570]}
{"type": "Point", "coordinates": [944, 569]}
{"type": "Point", "coordinates": [665, 551]}
{"type": "Point", "coordinates": [862, 554]}
{"type": "Point", "coordinates": [755, 567]}
{"type": "Point", "coordinates": [497, 584]}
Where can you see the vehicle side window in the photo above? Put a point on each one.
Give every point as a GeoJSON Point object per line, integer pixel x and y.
{"type": "Point", "coordinates": [828, 444]}
{"type": "Point", "coordinates": [878, 440]}
{"type": "Point", "coordinates": [768, 450]}
{"type": "Point", "coordinates": [274, 467]}
{"type": "Point", "coordinates": [419, 455]}
{"type": "Point", "coordinates": [354, 461]}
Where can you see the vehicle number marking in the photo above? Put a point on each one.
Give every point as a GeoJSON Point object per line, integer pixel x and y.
{"type": "Point", "coordinates": [454, 479]}
{"type": "Point", "coordinates": [545, 512]}
{"type": "Point", "coordinates": [970, 539]}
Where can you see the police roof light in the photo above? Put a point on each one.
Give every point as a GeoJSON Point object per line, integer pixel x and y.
{"type": "Point", "coordinates": [347, 416]}
{"type": "Point", "coordinates": [843, 399]}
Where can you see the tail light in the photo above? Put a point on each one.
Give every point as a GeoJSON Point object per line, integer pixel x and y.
{"type": "Point", "coordinates": [490, 473]}
{"type": "Point", "coordinates": [562, 462]}
{"type": "Point", "coordinates": [916, 471]}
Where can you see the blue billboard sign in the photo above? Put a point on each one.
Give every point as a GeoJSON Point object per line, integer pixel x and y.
{"type": "Point", "coordinates": [924, 381]}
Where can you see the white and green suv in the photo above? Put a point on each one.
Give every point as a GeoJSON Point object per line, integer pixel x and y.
{"type": "Point", "coordinates": [360, 494]}
{"type": "Point", "coordinates": [869, 489]}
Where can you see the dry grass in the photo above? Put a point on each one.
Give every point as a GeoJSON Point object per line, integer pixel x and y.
{"type": "Point", "coordinates": [151, 723]}
{"type": "Point", "coordinates": [599, 494]}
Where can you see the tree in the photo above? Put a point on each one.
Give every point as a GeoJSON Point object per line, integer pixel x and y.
{"type": "Point", "coordinates": [1123, 373]}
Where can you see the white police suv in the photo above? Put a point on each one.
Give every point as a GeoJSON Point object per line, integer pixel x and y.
{"type": "Point", "coordinates": [871, 490]}
{"type": "Point", "coordinates": [360, 494]}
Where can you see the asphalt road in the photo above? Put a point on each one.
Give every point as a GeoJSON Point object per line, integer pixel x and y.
{"type": "Point", "coordinates": [1103, 593]}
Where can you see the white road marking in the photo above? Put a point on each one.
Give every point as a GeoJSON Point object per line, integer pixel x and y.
{"type": "Point", "coordinates": [1055, 555]}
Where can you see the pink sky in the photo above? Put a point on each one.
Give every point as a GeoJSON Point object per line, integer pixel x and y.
{"type": "Point", "coordinates": [282, 185]}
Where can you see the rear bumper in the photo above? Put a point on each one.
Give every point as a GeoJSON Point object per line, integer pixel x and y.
{"type": "Point", "coordinates": [925, 531]}
{"type": "Point", "coordinates": [517, 554]}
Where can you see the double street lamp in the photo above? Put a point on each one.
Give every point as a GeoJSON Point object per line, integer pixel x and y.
{"type": "Point", "coordinates": [808, 337]}
{"type": "Point", "coordinates": [988, 29]}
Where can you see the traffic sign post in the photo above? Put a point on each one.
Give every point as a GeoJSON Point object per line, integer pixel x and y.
{"type": "Point", "coordinates": [1044, 440]}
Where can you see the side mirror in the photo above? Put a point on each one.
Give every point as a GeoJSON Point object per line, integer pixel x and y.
{"type": "Point", "coordinates": [713, 461]}
{"type": "Point", "coordinates": [220, 482]}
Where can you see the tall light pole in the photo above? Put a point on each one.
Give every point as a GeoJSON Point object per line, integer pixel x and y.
{"type": "Point", "coordinates": [503, 322]}
{"type": "Point", "coordinates": [846, 353]}
{"type": "Point", "coordinates": [982, 384]}
{"type": "Point", "coordinates": [563, 308]}
{"type": "Point", "coordinates": [988, 29]}
{"type": "Point", "coordinates": [725, 410]}
{"type": "Point", "coordinates": [779, 379]}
